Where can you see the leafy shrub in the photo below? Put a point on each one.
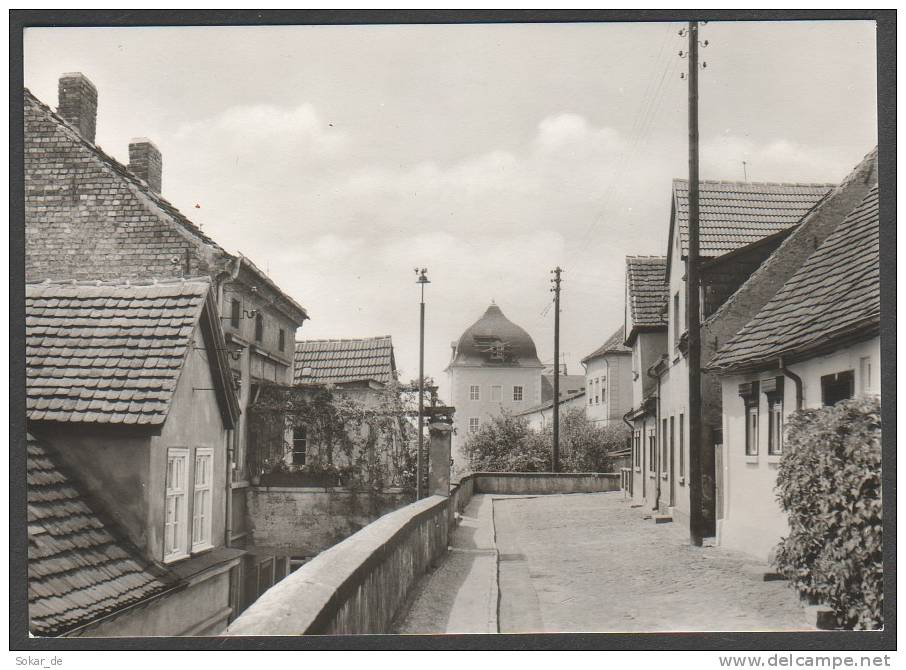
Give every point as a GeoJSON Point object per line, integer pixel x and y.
{"type": "Point", "coordinates": [506, 443]}
{"type": "Point", "coordinates": [829, 483]}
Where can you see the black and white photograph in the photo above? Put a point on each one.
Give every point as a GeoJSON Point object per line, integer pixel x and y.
{"type": "Point", "coordinates": [416, 328]}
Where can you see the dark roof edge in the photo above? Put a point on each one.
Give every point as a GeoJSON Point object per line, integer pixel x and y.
{"type": "Point", "coordinates": [862, 331]}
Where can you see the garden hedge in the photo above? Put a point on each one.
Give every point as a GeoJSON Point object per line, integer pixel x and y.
{"type": "Point", "coordinates": [829, 483]}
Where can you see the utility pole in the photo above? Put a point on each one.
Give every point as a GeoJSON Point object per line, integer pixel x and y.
{"type": "Point", "coordinates": [422, 279]}
{"type": "Point", "coordinates": [696, 446]}
{"type": "Point", "coordinates": [555, 458]}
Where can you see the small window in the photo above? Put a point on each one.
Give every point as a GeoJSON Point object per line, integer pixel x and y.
{"type": "Point", "coordinates": [234, 313]}
{"type": "Point", "coordinates": [474, 393]}
{"type": "Point", "coordinates": [676, 320]}
{"type": "Point", "coordinates": [652, 449]}
{"type": "Point", "coordinates": [202, 501]}
{"type": "Point", "coordinates": [752, 430]}
{"type": "Point", "coordinates": [496, 393]}
{"type": "Point", "coordinates": [835, 388]}
{"type": "Point", "coordinates": [865, 375]}
{"type": "Point", "coordinates": [300, 445]}
{"type": "Point", "coordinates": [517, 393]}
{"type": "Point", "coordinates": [775, 425]}
{"type": "Point", "coordinates": [664, 437]}
{"type": "Point", "coordinates": [259, 327]}
{"type": "Point", "coordinates": [474, 424]}
{"type": "Point", "coordinates": [176, 505]}
{"type": "Point", "coordinates": [281, 339]}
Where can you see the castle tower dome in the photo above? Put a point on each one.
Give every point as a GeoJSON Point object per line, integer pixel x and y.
{"type": "Point", "coordinates": [495, 341]}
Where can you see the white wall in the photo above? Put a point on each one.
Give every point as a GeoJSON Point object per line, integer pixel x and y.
{"type": "Point", "coordinates": [753, 521]}
{"type": "Point", "coordinates": [462, 378]}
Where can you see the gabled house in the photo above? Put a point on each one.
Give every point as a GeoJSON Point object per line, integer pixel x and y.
{"type": "Point", "coordinates": [608, 380]}
{"type": "Point", "coordinates": [130, 409]}
{"type": "Point", "coordinates": [361, 364]}
{"type": "Point", "coordinates": [646, 334]}
{"type": "Point", "coordinates": [814, 343]}
{"type": "Point", "coordinates": [741, 224]}
{"type": "Point", "coordinates": [89, 217]}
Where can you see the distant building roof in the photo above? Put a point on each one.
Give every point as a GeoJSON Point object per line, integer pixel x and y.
{"type": "Point", "coordinates": [833, 298]}
{"type": "Point", "coordinates": [112, 353]}
{"type": "Point", "coordinates": [79, 568]}
{"type": "Point", "coordinates": [569, 385]}
{"type": "Point", "coordinates": [613, 345]}
{"type": "Point", "coordinates": [495, 341]}
{"type": "Point", "coordinates": [646, 279]}
{"type": "Point", "coordinates": [735, 214]}
{"type": "Point", "coordinates": [550, 403]}
{"type": "Point", "coordinates": [344, 361]}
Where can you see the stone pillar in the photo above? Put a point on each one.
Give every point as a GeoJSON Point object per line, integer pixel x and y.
{"type": "Point", "coordinates": [440, 430]}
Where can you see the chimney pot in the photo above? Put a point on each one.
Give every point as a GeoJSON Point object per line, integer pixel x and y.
{"type": "Point", "coordinates": [78, 103]}
{"type": "Point", "coordinates": [145, 162]}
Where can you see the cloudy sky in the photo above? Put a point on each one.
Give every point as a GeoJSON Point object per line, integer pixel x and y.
{"type": "Point", "coordinates": [339, 158]}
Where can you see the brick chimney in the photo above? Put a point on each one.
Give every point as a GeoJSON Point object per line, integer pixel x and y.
{"type": "Point", "coordinates": [145, 162]}
{"type": "Point", "coordinates": [78, 103]}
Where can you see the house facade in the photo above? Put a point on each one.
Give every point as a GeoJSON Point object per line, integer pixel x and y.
{"type": "Point", "coordinates": [90, 217]}
{"type": "Point", "coordinates": [741, 224]}
{"type": "Point", "coordinates": [608, 380]}
{"type": "Point", "coordinates": [131, 405]}
{"type": "Point", "coordinates": [494, 367]}
{"type": "Point", "coordinates": [645, 327]}
{"type": "Point", "coordinates": [814, 343]}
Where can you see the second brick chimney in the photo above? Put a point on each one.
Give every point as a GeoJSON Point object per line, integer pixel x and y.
{"type": "Point", "coordinates": [78, 103]}
{"type": "Point", "coordinates": [145, 161]}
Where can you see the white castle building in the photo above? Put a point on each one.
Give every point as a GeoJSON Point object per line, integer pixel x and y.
{"type": "Point", "coordinates": [494, 366]}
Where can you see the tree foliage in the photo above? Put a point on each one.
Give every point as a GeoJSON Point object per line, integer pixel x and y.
{"type": "Point", "coordinates": [506, 443]}
{"type": "Point", "coordinates": [829, 483]}
{"type": "Point", "coordinates": [366, 444]}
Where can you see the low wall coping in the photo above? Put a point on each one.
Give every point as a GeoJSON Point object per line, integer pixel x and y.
{"type": "Point", "coordinates": [308, 598]}
{"type": "Point", "coordinates": [330, 489]}
{"type": "Point", "coordinates": [559, 475]}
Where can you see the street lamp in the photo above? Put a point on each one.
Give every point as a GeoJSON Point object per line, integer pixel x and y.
{"type": "Point", "coordinates": [421, 280]}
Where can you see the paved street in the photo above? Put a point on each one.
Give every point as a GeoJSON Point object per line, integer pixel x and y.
{"type": "Point", "coordinates": [589, 562]}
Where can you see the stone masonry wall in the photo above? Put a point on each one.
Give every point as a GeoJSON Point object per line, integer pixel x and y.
{"type": "Point", "coordinates": [311, 519]}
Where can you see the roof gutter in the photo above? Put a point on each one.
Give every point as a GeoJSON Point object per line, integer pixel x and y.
{"type": "Point", "coordinates": [797, 380]}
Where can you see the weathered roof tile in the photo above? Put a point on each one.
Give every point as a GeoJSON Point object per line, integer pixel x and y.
{"type": "Point", "coordinates": [834, 296]}
{"type": "Point", "coordinates": [74, 376]}
{"type": "Point", "coordinates": [344, 361]}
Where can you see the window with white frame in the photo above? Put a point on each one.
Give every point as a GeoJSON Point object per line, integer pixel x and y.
{"type": "Point", "coordinates": [176, 505]}
{"type": "Point", "coordinates": [748, 391]}
{"type": "Point", "coordinates": [518, 393]}
{"type": "Point", "coordinates": [474, 424]}
{"type": "Point", "coordinates": [496, 393]}
{"type": "Point", "coordinates": [300, 445]}
{"type": "Point", "coordinates": [773, 391]}
{"type": "Point", "coordinates": [474, 392]}
{"type": "Point", "coordinates": [202, 499]}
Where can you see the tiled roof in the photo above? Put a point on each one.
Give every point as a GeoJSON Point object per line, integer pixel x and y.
{"type": "Point", "coordinates": [344, 361]}
{"type": "Point", "coordinates": [832, 298]}
{"type": "Point", "coordinates": [613, 345]}
{"type": "Point", "coordinates": [89, 217]}
{"type": "Point", "coordinates": [567, 383]}
{"type": "Point", "coordinates": [548, 404]}
{"type": "Point", "coordinates": [735, 214]}
{"type": "Point", "coordinates": [107, 353]}
{"type": "Point", "coordinates": [79, 569]}
{"type": "Point", "coordinates": [646, 278]}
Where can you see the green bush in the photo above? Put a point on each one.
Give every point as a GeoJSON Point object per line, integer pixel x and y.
{"type": "Point", "coordinates": [506, 443]}
{"type": "Point", "coordinates": [829, 483]}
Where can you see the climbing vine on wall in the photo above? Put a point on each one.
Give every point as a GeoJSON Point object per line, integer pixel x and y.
{"type": "Point", "coordinates": [363, 439]}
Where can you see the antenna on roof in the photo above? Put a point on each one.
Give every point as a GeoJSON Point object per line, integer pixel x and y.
{"type": "Point", "coordinates": [745, 174]}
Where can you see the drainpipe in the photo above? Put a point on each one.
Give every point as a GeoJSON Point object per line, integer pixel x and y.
{"type": "Point", "coordinates": [657, 432]}
{"type": "Point", "coordinates": [228, 525]}
{"type": "Point", "coordinates": [797, 380]}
